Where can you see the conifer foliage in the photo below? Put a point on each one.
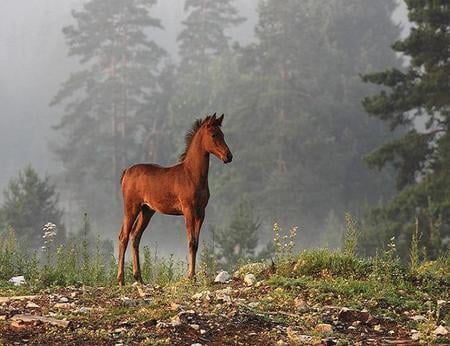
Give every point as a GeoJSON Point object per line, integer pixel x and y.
{"type": "Point", "coordinates": [416, 95]}
{"type": "Point", "coordinates": [104, 102]}
{"type": "Point", "coordinates": [30, 202]}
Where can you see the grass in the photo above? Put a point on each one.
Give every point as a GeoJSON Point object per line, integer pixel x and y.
{"type": "Point", "coordinates": [383, 285]}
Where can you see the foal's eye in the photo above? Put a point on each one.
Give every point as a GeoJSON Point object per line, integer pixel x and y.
{"type": "Point", "coordinates": [214, 135]}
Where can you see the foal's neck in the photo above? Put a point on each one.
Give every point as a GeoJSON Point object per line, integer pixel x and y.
{"type": "Point", "coordinates": [197, 161]}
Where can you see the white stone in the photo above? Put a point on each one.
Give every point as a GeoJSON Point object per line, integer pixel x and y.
{"type": "Point", "coordinates": [441, 330]}
{"type": "Point", "coordinates": [222, 277]}
{"type": "Point", "coordinates": [175, 321]}
{"type": "Point", "coordinates": [415, 336]}
{"type": "Point", "coordinates": [377, 328]}
{"type": "Point", "coordinates": [249, 279]}
{"type": "Point", "coordinates": [32, 305]}
{"type": "Point", "coordinates": [17, 280]}
{"type": "Point", "coordinates": [197, 344]}
{"type": "Point", "coordinates": [194, 326]}
{"type": "Point", "coordinates": [418, 318]}
{"type": "Point", "coordinates": [63, 300]}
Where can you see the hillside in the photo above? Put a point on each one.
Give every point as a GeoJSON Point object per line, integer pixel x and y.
{"type": "Point", "coordinates": [312, 298]}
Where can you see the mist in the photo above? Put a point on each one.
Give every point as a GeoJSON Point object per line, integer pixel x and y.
{"type": "Point", "coordinates": [34, 63]}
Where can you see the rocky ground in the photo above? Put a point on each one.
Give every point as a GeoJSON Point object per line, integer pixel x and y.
{"type": "Point", "coordinates": [238, 311]}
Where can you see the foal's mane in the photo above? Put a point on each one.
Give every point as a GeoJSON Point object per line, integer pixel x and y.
{"type": "Point", "coordinates": [191, 133]}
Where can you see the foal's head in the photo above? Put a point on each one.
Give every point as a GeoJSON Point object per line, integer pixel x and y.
{"type": "Point", "coordinates": [214, 140]}
{"type": "Point", "coordinates": [211, 138]}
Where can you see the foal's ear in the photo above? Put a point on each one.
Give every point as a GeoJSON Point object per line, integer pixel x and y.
{"type": "Point", "coordinates": [219, 120]}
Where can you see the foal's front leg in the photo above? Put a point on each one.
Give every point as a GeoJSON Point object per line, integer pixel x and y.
{"type": "Point", "coordinates": [194, 220]}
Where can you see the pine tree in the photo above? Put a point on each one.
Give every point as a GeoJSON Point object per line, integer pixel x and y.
{"type": "Point", "coordinates": [238, 241]}
{"type": "Point", "coordinates": [202, 42]}
{"type": "Point", "coordinates": [105, 102]}
{"type": "Point", "coordinates": [293, 99]}
{"type": "Point", "coordinates": [30, 202]}
{"type": "Point", "coordinates": [416, 95]}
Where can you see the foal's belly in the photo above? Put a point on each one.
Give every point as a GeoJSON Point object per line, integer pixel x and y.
{"type": "Point", "coordinates": [168, 205]}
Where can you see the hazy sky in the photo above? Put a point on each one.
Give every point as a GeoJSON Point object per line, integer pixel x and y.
{"type": "Point", "coordinates": [34, 62]}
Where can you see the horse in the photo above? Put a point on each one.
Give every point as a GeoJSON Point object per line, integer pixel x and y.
{"type": "Point", "coordinates": [181, 189]}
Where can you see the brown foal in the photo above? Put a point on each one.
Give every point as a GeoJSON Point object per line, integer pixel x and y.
{"type": "Point", "coordinates": [181, 189]}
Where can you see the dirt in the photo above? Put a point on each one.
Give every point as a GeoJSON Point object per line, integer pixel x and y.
{"type": "Point", "coordinates": [109, 316]}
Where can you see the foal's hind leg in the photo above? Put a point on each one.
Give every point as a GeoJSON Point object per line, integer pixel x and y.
{"type": "Point", "coordinates": [131, 212]}
{"type": "Point", "coordinates": [141, 223]}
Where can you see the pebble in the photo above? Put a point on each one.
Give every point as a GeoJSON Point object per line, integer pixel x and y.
{"type": "Point", "coordinates": [324, 328]}
{"type": "Point", "coordinates": [32, 305]}
{"type": "Point", "coordinates": [418, 318]}
{"type": "Point", "coordinates": [222, 277]}
{"type": "Point", "coordinates": [17, 280]}
{"type": "Point", "coordinates": [175, 321]}
{"type": "Point", "coordinates": [249, 279]}
{"type": "Point", "coordinates": [194, 326]}
{"type": "Point", "coordinates": [440, 331]}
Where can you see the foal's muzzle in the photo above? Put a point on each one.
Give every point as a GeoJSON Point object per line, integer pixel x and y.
{"type": "Point", "coordinates": [229, 158]}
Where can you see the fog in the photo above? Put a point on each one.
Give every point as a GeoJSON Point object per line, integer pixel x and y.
{"type": "Point", "coordinates": [34, 63]}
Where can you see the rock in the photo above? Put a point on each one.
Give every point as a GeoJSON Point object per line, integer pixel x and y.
{"type": "Point", "coordinates": [197, 296]}
{"type": "Point", "coordinates": [440, 331]}
{"type": "Point", "coordinates": [281, 343]}
{"type": "Point", "coordinates": [175, 321]}
{"type": "Point", "coordinates": [224, 295]}
{"type": "Point", "coordinates": [349, 316]}
{"type": "Point", "coordinates": [134, 302]}
{"type": "Point", "coordinates": [328, 342]}
{"type": "Point", "coordinates": [324, 328]}
{"type": "Point", "coordinates": [296, 338]}
{"type": "Point", "coordinates": [202, 331]}
{"type": "Point", "coordinates": [63, 300]}
{"type": "Point", "coordinates": [222, 277]}
{"type": "Point", "coordinates": [441, 302]}
{"type": "Point", "coordinates": [64, 305]}
{"type": "Point", "coordinates": [377, 328]}
{"type": "Point", "coordinates": [194, 326]}
{"type": "Point", "coordinates": [161, 325]}
{"type": "Point", "coordinates": [8, 299]}
{"type": "Point", "coordinates": [25, 319]}
{"type": "Point", "coordinates": [84, 310]}
{"type": "Point", "coordinates": [31, 305]}
{"type": "Point", "coordinates": [196, 344]}
{"type": "Point", "coordinates": [249, 279]}
{"type": "Point", "coordinates": [202, 295]}
{"type": "Point", "coordinates": [300, 304]}
{"type": "Point", "coordinates": [415, 335]}
{"type": "Point", "coordinates": [17, 280]}
{"type": "Point", "coordinates": [418, 318]}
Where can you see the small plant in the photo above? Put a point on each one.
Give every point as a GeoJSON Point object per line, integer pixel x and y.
{"type": "Point", "coordinates": [414, 253]}
{"type": "Point", "coordinates": [350, 235]}
{"type": "Point", "coordinates": [284, 244]}
{"type": "Point", "coordinates": [209, 263]}
{"type": "Point", "coordinates": [49, 235]}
